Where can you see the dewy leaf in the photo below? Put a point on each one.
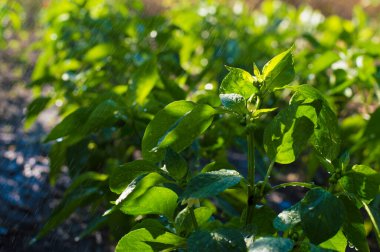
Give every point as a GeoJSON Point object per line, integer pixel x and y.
{"type": "Point", "coordinates": [175, 164]}
{"type": "Point", "coordinates": [238, 81]}
{"type": "Point", "coordinates": [271, 244]}
{"type": "Point", "coordinates": [353, 226]}
{"type": "Point", "coordinates": [187, 128]}
{"type": "Point", "coordinates": [279, 71]}
{"type": "Point", "coordinates": [288, 218]}
{"type": "Point", "coordinates": [234, 102]}
{"type": "Point", "coordinates": [322, 215]}
{"type": "Point", "coordinates": [287, 135]}
{"type": "Point", "coordinates": [222, 240]}
{"type": "Point", "coordinates": [362, 181]}
{"type": "Point", "coordinates": [160, 124]}
{"type": "Point", "coordinates": [142, 240]}
{"type": "Point", "coordinates": [337, 243]}
{"type": "Point", "coordinates": [210, 184]}
{"type": "Point", "coordinates": [124, 174]}
{"type": "Point", "coordinates": [326, 139]}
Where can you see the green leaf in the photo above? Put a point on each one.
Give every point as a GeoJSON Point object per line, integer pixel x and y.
{"type": "Point", "coordinates": [104, 115]}
{"type": "Point", "coordinates": [260, 112]}
{"type": "Point", "coordinates": [372, 129]}
{"type": "Point", "coordinates": [257, 73]}
{"type": "Point", "coordinates": [326, 139]}
{"type": "Point", "coordinates": [184, 131]}
{"type": "Point", "coordinates": [34, 109]}
{"type": "Point", "coordinates": [279, 71]}
{"type": "Point", "coordinates": [155, 200]}
{"type": "Point", "coordinates": [238, 81]}
{"type": "Point", "coordinates": [183, 222]}
{"type": "Point", "coordinates": [143, 81]}
{"type": "Point", "coordinates": [57, 157]}
{"type": "Point", "coordinates": [234, 103]}
{"type": "Point", "coordinates": [322, 215]}
{"type": "Point", "coordinates": [160, 124]}
{"type": "Point", "coordinates": [123, 175]}
{"type": "Point", "coordinates": [175, 164]}
{"type": "Point", "coordinates": [271, 244]}
{"type": "Point", "coordinates": [143, 196]}
{"type": "Point", "coordinates": [353, 226]}
{"type": "Point", "coordinates": [262, 221]}
{"type": "Point", "coordinates": [222, 240]}
{"type": "Point", "coordinates": [323, 61]}
{"type": "Point", "coordinates": [287, 134]}
{"type": "Point", "coordinates": [337, 243]}
{"type": "Point", "coordinates": [87, 179]}
{"type": "Point", "coordinates": [143, 240]}
{"type": "Point", "coordinates": [210, 184]}
{"type": "Point", "coordinates": [362, 181]}
{"type": "Point", "coordinates": [71, 123]}
{"type": "Point", "coordinates": [288, 218]}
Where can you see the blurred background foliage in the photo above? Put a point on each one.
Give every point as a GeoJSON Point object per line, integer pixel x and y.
{"type": "Point", "coordinates": [108, 66]}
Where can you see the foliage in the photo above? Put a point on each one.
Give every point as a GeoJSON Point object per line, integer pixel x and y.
{"type": "Point", "coordinates": [146, 132]}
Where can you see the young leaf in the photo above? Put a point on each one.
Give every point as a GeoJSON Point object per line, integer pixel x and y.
{"type": "Point", "coordinates": [143, 240]}
{"type": "Point", "coordinates": [288, 218]}
{"type": "Point", "coordinates": [223, 240]}
{"type": "Point", "coordinates": [353, 226]}
{"type": "Point", "coordinates": [279, 71]}
{"type": "Point", "coordinates": [322, 215]}
{"type": "Point", "coordinates": [287, 135]}
{"type": "Point", "coordinates": [238, 81]}
{"type": "Point", "coordinates": [337, 243]}
{"type": "Point", "coordinates": [183, 132]}
{"type": "Point", "coordinates": [362, 181]}
{"type": "Point", "coordinates": [160, 124]}
{"type": "Point", "coordinates": [234, 103]}
{"type": "Point", "coordinates": [123, 175]}
{"type": "Point", "coordinates": [210, 184]}
{"type": "Point", "coordinates": [175, 164]}
{"type": "Point", "coordinates": [271, 244]}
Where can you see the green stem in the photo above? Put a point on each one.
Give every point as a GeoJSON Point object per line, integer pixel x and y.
{"type": "Point", "coordinates": [267, 176]}
{"type": "Point", "coordinates": [193, 219]}
{"type": "Point", "coordinates": [251, 176]}
{"type": "Point", "coordinates": [374, 223]}
{"type": "Point", "coordinates": [301, 184]}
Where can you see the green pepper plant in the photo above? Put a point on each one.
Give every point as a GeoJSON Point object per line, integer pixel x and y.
{"type": "Point", "coordinates": [176, 207]}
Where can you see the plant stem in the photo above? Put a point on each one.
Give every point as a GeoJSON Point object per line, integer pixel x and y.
{"type": "Point", "coordinates": [193, 219]}
{"type": "Point", "coordinates": [374, 223]}
{"type": "Point", "coordinates": [301, 184]}
{"type": "Point", "coordinates": [269, 171]}
{"type": "Point", "coordinates": [251, 176]}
